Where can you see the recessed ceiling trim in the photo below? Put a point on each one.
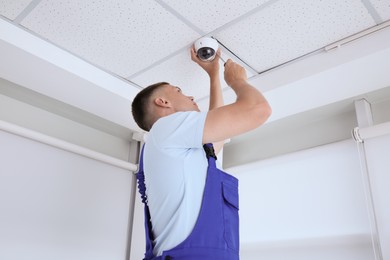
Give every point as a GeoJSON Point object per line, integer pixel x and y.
{"type": "Point", "coordinates": [304, 56]}
{"type": "Point", "coordinates": [358, 35]}
{"type": "Point", "coordinates": [372, 11]}
{"type": "Point", "coordinates": [31, 6]}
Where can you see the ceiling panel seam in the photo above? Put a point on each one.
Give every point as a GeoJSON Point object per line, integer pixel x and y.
{"type": "Point", "coordinates": [244, 16]}
{"type": "Point", "coordinates": [6, 19]}
{"type": "Point", "coordinates": [159, 61]}
{"type": "Point", "coordinates": [304, 56]}
{"type": "Point", "coordinates": [244, 62]}
{"type": "Point", "coordinates": [31, 6]}
{"type": "Point", "coordinates": [180, 17]}
{"type": "Point", "coordinates": [372, 11]}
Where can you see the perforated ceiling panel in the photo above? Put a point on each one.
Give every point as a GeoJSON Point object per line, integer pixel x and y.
{"type": "Point", "coordinates": [382, 7]}
{"type": "Point", "coordinates": [289, 29]}
{"type": "Point", "coordinates": [210, 15]}
{"type": "Point", "coordinates": [122, 36]}
{"type": "Point", "coordinates": [12, 8]}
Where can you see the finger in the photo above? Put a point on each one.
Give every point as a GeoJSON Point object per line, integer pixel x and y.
{"type": "Point", "coordinates": [219, 52]}
{"type": "Point", "coordinates": [228, 62]}
{"type": "Point", "coordinates": [218, 55]}
{"type": "Point", "coordinates": [194, 57]}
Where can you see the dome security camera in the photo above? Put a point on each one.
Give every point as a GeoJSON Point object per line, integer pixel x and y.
{"type": "Point", "coordinates": [206, 48]}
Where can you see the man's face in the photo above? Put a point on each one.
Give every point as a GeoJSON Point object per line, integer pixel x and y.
{"type": "Point", "coordinates": [179, 101]}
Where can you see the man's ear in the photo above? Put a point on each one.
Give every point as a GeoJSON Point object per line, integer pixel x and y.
{"type": "Point", "coordinates": [162, 102]}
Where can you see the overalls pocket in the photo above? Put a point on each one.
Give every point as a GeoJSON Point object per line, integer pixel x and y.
{"type": "Point", "coordinates": [230, 213]}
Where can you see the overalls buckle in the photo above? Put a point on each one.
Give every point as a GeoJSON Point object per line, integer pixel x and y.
{"type": "Point", "coordinates": [210, 152]}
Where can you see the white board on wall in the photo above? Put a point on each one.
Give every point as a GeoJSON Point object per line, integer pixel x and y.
{"type": "Point", "coordinates": [58, 205]}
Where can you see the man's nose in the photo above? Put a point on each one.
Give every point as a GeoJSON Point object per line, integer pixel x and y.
{"type": "Point", "coordinates": [191, 97]}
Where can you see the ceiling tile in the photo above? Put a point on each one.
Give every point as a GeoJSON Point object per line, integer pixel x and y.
{"type": "Point", "coordinates": [122, 36]}
{"type": "Point", "coordinates": [209, 15]}
{"type": "Point", "coordinates": [181, 71]}
{"type": "Point", "coordinates": [11, 8]}
{"type": "Point", "coordinates": [288, 29]}
{"type": "Point", "coordinates": [382, 7]}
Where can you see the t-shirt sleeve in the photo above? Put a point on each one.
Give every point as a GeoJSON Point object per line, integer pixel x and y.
{"type": "Point", "coordinates": [179, 130]}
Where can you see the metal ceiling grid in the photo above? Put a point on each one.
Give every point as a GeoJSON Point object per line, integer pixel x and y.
{"type": "Point", "coordinates": [208, 16]}
{"type": "Point", "coordinates": [382, 7]}
{"type": "Point", "coordinates": [11, 8]}
{"type": "Point", "coordinates": [148, 41]}
{"type": "Point", "coordinates": [123, 37]}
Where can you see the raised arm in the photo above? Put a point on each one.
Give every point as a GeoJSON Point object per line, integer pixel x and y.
{"type": "Point", "coordinates": [216, 98]}
{"type": "Point", "coordinates": [249, 111]}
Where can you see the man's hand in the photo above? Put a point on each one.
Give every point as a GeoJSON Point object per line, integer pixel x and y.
{"type": "Point", "coordinates": [211, 67]}
{"type": "Point", "coordinates": [233, 73]}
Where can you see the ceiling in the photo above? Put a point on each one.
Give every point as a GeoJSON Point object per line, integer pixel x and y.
{"type": "Point", "coordinates": [109, 50]}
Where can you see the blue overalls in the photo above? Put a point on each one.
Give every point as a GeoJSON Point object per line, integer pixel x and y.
{"type": "Point", "coordinates": [216, 234]}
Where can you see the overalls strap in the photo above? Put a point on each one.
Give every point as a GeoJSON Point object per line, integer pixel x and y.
{"type": "Point", "coordinates": [148, 224]}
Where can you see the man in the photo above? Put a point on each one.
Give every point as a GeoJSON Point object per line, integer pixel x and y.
{"type": "Point", "coordinates": [193, 206]}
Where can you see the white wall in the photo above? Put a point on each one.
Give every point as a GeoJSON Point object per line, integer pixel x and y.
{"type": "Point", "coordinates": [305, 205]}
{"type": "Point", "coordinates": [58, 205]}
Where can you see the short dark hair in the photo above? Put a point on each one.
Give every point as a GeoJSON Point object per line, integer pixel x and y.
{"type": "Point", "coordinates": [141, 103]}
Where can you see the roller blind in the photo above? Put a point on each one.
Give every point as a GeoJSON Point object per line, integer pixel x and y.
{"type": "Point", "coordinates": [58, 205]}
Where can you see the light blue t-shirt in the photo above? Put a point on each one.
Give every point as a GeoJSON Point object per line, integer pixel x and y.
{"type": "Point", "coordinates": [175, 172]}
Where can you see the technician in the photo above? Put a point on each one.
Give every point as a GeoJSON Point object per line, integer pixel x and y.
{"type": "Point", "coordinates": [191, 209]}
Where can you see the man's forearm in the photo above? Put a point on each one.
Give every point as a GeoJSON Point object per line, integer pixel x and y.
{"type": "Point", "coordinates": [216, 98]}
{"type": "Point", "coordinates": [247, 95]}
